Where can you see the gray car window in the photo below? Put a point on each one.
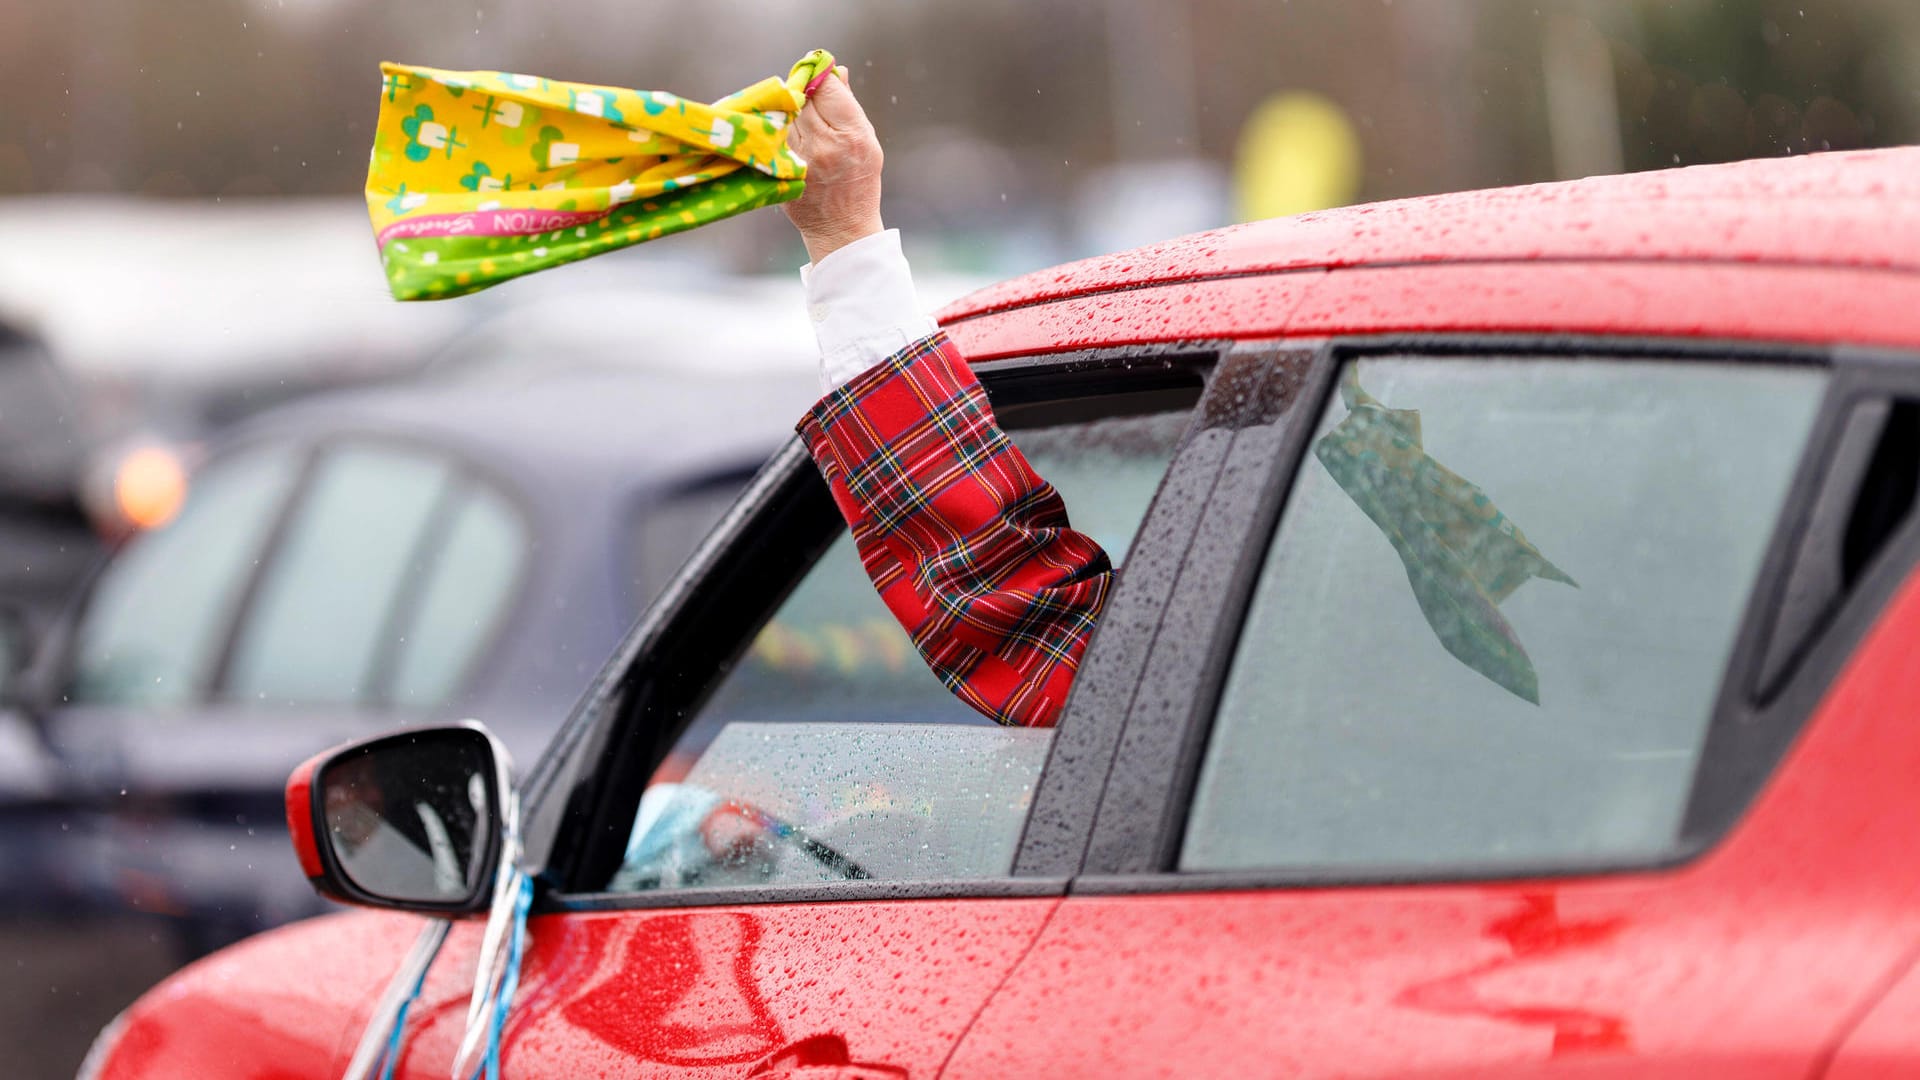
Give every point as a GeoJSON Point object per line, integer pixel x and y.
{"type": "Point", "coordinates": [41, 441]}
{"type": "Point", "coordinates": [315, 627]}
{"type": "Point", "coordinates": [666, 532]}
{"type": "Point", "coordinates": [830, 742]}
{"type": "Point", "coordinates": [469, 582]}
{"type": "Point", "coordinates": [1495, 614]}
{"type": "Point", "coordinates": [153, 623]}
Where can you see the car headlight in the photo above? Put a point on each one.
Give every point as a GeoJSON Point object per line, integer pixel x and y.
{"type": "Point", "coordinates": [102, 1049]}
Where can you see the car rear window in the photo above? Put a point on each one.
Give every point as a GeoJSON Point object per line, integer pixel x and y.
{"type": "Point", "coordinates": [153, 626]}
{"type": "Point", "coordinates": [317, 627]}
{"type": "Point", "coordinates": [1496, 613]}
{"type": "Point", "coordinates": [466, 589]}
{"type": "Point", "coordinates": [667, 531]}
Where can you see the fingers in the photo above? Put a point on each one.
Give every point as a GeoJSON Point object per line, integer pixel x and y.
{"type": "Point", "coordinates": [833, 136]}
{"type": "Point", "coordinates": [805, 130]}
{"type": "Point", "coordinates": [834, 103]}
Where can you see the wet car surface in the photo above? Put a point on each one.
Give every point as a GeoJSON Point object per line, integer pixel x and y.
{"type": "Point", "coordinates": [1358, 777]}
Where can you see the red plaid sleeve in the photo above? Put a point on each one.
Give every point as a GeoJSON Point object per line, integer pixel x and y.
{"type": "Point", "coordinates": [969, 548]}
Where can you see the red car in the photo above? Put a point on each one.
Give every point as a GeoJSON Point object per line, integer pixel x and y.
{"type": "Point", "coordinates": [1342, 788]}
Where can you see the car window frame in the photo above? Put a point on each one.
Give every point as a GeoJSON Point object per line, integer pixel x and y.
{"type": "Point", "coordinates": [1141, 822]}
{"type": "Point", "coordinates": [65, 647]}
{"type": "Point", "coordinates": [462, 470]}
{"type": "Point", "coordinates": [571, 789]}
{"type": "Point", "coordinates": [467, 477]}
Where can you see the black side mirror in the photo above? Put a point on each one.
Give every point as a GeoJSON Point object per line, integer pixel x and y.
{"type": "Point", "coordinates": [413, 821]}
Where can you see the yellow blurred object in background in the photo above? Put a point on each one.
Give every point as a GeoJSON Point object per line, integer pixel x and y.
{"type": "Point", "coordinates": [1298, 152]}
{"type": "Point", "coordinates": [150, 487]}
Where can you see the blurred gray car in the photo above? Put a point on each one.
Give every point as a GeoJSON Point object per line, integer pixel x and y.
{"type": "Point", "coordinates": [423, 553]}
{"type": "Point", "coordinates": [46, 542]}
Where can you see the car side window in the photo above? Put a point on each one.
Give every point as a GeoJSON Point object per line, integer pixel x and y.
{"type": "Point", "coordinates": [1494, 617]}
{"type": "Point", "coordinates": [154, 623]}
{"type": "Point", "coordinates": [666, 532]}
{"type": "Point", "coordinates": [469, 581]}
{"type": "Point", "coordinates": [830, 751]}
{"type": "Point", "coordinates": [320, 618]}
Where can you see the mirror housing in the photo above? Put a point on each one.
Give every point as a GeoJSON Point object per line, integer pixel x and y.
{"type": "Point", "coordinates": [410, 821]}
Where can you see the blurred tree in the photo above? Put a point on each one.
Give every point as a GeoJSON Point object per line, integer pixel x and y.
{"type": "Point", "coordinates": [1719, 80]}
{"type": "Point", "coordinates": [996, 113]}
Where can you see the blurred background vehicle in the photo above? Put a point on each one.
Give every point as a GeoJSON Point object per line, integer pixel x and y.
{"type": "Point", "coordinates": [46, 542]}
{"type": "Point", "coordinates": [183, 247]}
{"type": "Point", "coordinates": [397, 554]}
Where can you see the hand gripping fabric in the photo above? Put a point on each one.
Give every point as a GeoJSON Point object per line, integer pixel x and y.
{"type": "Point", "coordinates": [481, 176]}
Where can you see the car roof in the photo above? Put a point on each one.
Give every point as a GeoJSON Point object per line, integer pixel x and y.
{"type": "Point", "coordinates": [579, 427]}
{"type": "Point", "coordinates": [1855, 209]}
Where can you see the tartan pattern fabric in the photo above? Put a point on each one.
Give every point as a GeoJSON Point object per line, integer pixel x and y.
{"type": "Point", "coordinates": [968, 547]}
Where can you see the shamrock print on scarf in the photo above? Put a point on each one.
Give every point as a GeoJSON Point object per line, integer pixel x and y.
{"type": "Point", "coordinates": [393, 82]}
{"type": "Point", "coordinates": [657, 103]}
{"type": "Point", "coordinates": [455, 84]}
{"type": "Point", "coordinates": [500, 111]}
{"type": "Point", "coordinates": [404, 202]}
{"type": "Point", "coordinates": [596, 103]}
{"type": "Point", "coordinates": [424, 136]}
{"type": "Point", "coordinates": [538, 173]}
{"type": "Point", "coordinates": [550, 153]}
{"type": "Point", "coordinates": [521, 82]}
{"type": "Point", "coordinates": [481, 178]}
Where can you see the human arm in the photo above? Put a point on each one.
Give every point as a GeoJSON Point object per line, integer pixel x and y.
{"type": "Point", "coordinates": [969, 548]}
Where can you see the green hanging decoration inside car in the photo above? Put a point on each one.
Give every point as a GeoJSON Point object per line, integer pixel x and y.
{"type": "Point", "coordinates": [1463, 556]}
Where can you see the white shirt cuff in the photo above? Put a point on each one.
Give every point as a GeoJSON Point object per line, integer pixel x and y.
{"type": "Point", "coordinates": [863, 306]}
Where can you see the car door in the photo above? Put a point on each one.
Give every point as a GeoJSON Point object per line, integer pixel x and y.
{"type": "Point", "coordinates": [1535, 709]}
{"type": "Point", "coordinates": [781, 843]}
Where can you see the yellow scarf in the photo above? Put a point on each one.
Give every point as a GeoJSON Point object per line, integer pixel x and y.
{"type": "Point", "coordinates": [480, 176]}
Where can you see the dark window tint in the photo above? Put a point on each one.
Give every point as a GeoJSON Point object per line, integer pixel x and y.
{"type": "Point", "coordinates": [1496, 613]}
{"type": "Point", "coordinates": [831, 751]}
{"type": "Point", "coordinates": [314, 629]}
{"type": "Point", "coordinates": [154, 624]}
{"type": "Point", "coordinates": [667, 532]}
{"type": "Point", "coordinates": [42, 446]}
{"type": "Point", "coordinates": [469, 580]}
{"type": "Point", "coordinates": [1887, 491]}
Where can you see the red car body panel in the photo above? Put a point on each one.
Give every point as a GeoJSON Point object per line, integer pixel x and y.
{"type": "Point", "coordinates": [1886, 1044]}
{"type": "Point", "coordinates": [284, 1005]}
{"type": "Point", "coordinates": [707, 992]}
{"type": "Point", "coordinates": [1733, 301]}
{"type": "Point", "coordinates": [1759, 958]}
{"type": "Point", "coordinates": [1824, 210]}
{"type": "Point", "coordinates": [1749, 962]}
